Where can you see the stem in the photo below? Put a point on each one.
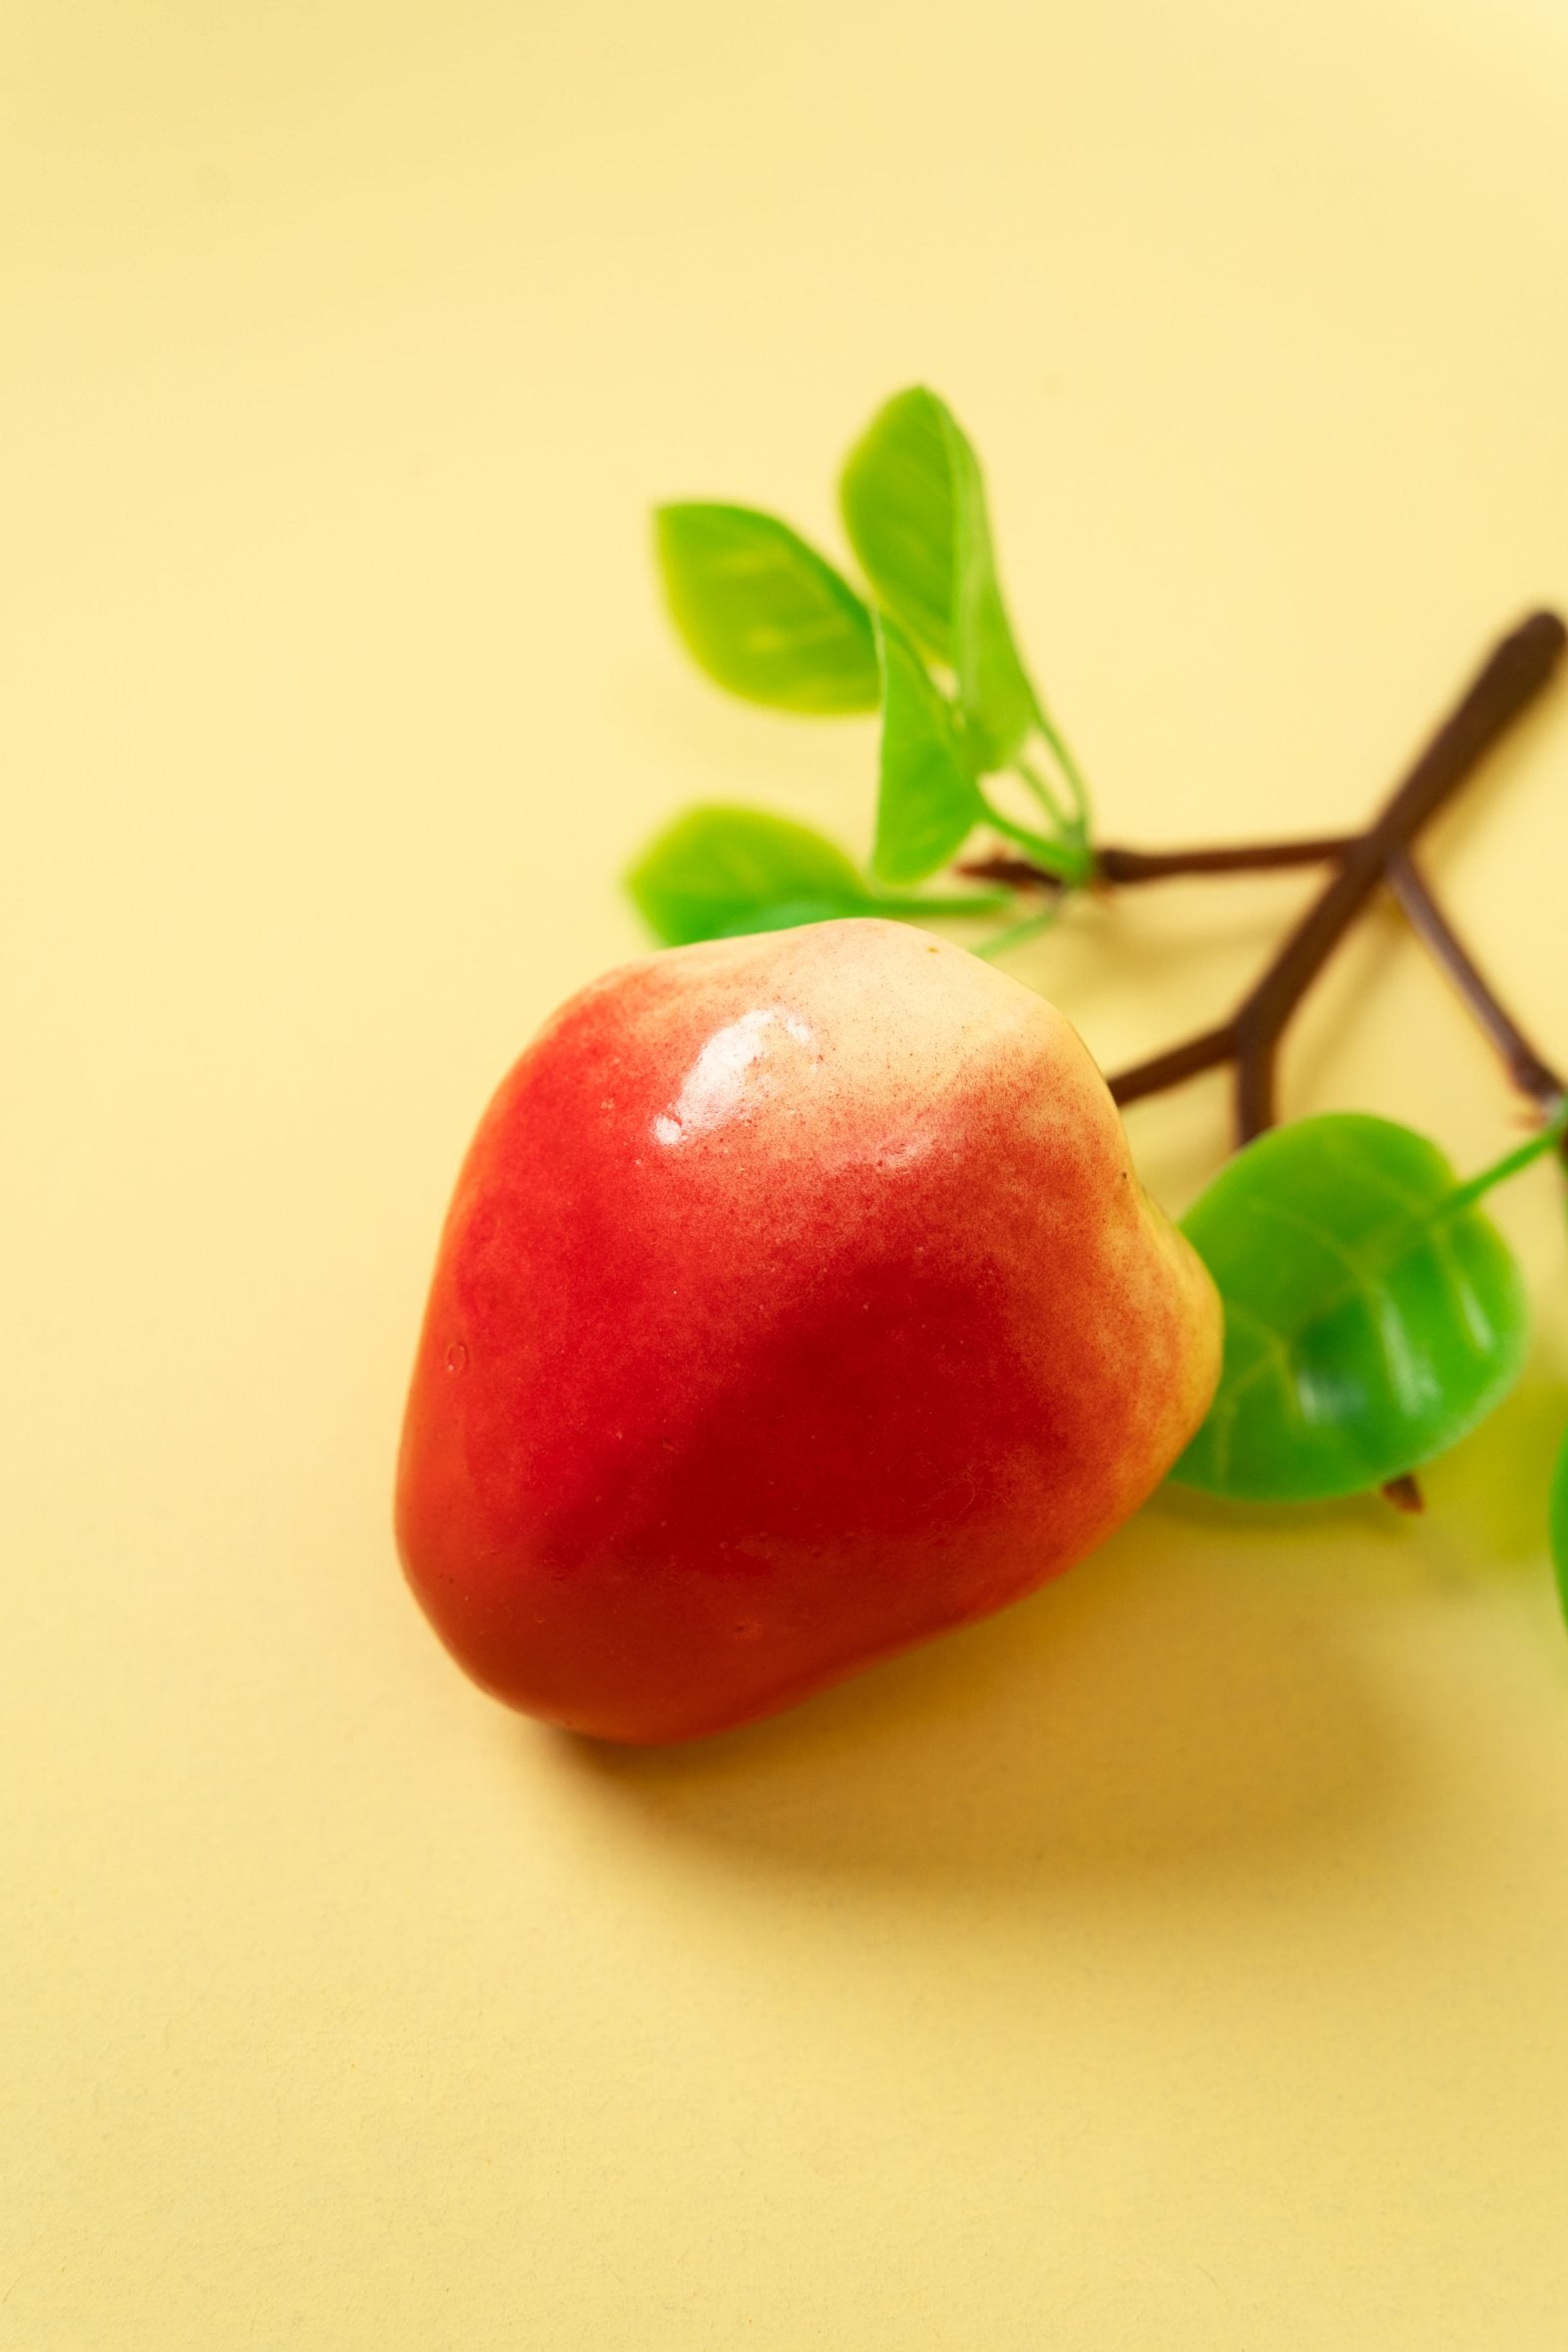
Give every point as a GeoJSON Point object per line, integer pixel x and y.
{"type": "Point", "coordinates": [1145, 866]}
{"type": "Point", "coordinates": [1018, 932]}
{"type": "Point", "coordinates": [1072, 773]}
{"type": "Point", "coordinates": [1532, 1074]}
{"type": "Point", "coordinates": [1042, 791]}
{"type": "Point", "coordinates": [1510, 1164]}
{"type": "Point", "coordinates": [1507, 683]}
{"type": "Point", "coordinates": [1062, 862]}
{"type": "Point", "coordinates": [1019, 873]}
{"type": "Point", "coordinates": [1203, 1052]}
{"type": "Point", "coordinates": [1117, 868]}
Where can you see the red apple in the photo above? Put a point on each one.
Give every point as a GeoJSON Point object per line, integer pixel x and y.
{"type": "Point", "coordinates": [798, 1301]}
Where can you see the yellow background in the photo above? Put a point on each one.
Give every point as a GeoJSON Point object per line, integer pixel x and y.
{"type": "Point", "coordinates": [1177, 1962]}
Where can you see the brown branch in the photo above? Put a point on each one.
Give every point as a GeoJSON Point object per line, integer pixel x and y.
{"type": "Point", "coordinates": [1203, 1052]}
{"type": "Point", "coordinates": [1117, 868]}
{"type": "Point", "coordinates": [1506, 685]}
{"type": "Point", "coordinates": [1019, 873]}
{"type": "Point", "coordinates": [1529, 1070]}
{"type": "Point", "coordinates": [1145, 866]}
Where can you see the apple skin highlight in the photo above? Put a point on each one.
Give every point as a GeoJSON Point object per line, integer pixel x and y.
{"type": "Point", "coordinates": [796, 1301]}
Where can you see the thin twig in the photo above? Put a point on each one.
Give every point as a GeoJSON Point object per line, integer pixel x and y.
{"type": "Point", "coordinates": [1117, 868]}
{"type": "Point", "coordinates": [1529, 1070]}
{"type": "Point", "coordinates": [1019, 873]}
{"type": "Point", "coordinates": [1145, 866]}
{"type": "Point", "coordinates": [1203, 1052]}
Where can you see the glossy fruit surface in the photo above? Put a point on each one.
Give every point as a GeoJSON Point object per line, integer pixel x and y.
{"type": "Point", "coordinates": [797, 1300]}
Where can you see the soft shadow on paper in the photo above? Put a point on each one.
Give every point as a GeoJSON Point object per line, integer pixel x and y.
{"type": "Point", "coordinates": [1195, 1699]}
{"type": "Point", "coordinates": [1183, 1699]}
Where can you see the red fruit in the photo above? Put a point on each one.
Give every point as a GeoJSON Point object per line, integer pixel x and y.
{"type": "Point", "coordinates": [798, 1301]}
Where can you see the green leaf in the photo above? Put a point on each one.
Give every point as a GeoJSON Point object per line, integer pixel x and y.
{"type": "Point", "coordinates": [716, 872]}
{"type": "Point", "coordinates": [928, 800]}
{"type": "Point", "coordinates": [1557, 1523]}
{"type": "Point", "coordinates": [1372, 1314]}
{"type": "Point", "coordinates": [993, 687]}
{"type": "Point", "coordinates": [896, 495]}
{"type": "Point", "coordinates": [914, 507]}
{"type": "Point", "coordinates": [764, 613]}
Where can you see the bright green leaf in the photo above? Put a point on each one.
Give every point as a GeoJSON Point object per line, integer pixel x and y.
{"type": "Point", "coordinates": [1372, 1314]}
{"type": "Point", "coordinates": [897, 494]}
{"type": "Point", "coordinates": [994, 689]}
{"type": "Point", "coordinates": [764, 613]}
{"type": "Point", "coordinates": [1558, 1525]}
{"type": "Point", "coordinates": [914, 507]}
{"type": "Point", "coordinates": [927, 799]}
{"type": "Point", "coordinates": [716, 871]}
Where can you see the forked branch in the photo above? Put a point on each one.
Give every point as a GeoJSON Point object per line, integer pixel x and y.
{"type": "Point", "coordinates": [1508, 682]}
{"type": "Point", "coordinates": [1530, 1071]}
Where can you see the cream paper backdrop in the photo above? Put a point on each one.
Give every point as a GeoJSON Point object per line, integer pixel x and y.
{"type": "Point", "coordinates": [1176, 1962]}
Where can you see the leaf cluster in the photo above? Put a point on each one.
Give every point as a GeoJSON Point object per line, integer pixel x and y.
{"type": "Point", "coordinates": [925, 641]}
